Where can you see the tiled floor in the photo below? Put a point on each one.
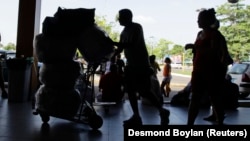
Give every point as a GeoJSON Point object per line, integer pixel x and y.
{"type": "Point", "coordinates": [17, 123]}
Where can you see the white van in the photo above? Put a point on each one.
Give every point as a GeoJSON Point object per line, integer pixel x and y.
{"type": "Point", "coordinates": [175, 65]}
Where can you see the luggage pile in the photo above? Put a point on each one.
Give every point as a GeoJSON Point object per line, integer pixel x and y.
{"type": "Point", "coordinates": [62, 34]}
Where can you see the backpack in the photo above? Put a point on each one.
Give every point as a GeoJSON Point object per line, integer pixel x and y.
{"type": "Point", "coordinates": [182, 97]}
{"type": "Point", "coordinates": [231, 93]}
{"type": "Point", "coordinates": [226, 58]}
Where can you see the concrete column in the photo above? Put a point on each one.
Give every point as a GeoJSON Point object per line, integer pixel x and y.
{"type": "Point", "coordinates": [27, 27]}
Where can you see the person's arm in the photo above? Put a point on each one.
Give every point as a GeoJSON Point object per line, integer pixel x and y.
{"type": "Point", "coordinates": [158, 66]}
{"type": "Point", "coordinates": [118, 50]}
{"type": "Point", "coordinates": [191, 45]}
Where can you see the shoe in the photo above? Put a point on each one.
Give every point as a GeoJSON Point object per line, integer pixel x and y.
{"type": "Point", "coordinates": [133, 121]}
{"type": "Point", "coordinates": [164, 117]}
{"type": "Point", "coordinates": [4, 95]}
{"type": "Point", "coordinates": [220, 121]}
{"type": "Point", "coordinates": [210, 118]}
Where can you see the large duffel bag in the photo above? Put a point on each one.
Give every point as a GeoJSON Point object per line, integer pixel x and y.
{"type": "Point", "coordinates": [68, 22]}
{"type": "Point", "coordinates": [95, 45]}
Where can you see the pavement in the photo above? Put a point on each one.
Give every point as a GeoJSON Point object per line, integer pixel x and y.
{"type": "Point", "coordinates": [179, 83]}
{"type": "Point", "coordinates": [174, 85]}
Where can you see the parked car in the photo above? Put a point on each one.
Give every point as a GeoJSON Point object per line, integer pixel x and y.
{"type": "Point", "coordinates": [4, 56]}
{"type": "Point", "coordinates": [240, 73]}
{"type": "Point", "coordinates": [175, 65]}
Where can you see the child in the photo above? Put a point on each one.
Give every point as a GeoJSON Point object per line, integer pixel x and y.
{"type": "Point", "coordinates": [166, 77]}
{"type": "Point", "coordinates": [154, 64]}
{"type": "Point", "coordinates": [111, 85]}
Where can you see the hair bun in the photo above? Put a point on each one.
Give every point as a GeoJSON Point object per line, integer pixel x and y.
{"type": "Point", "coordinates": [211, 10]}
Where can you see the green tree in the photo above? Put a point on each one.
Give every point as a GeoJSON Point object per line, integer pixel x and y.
{"type": "Point", "coordinates": [162, 48]}
{"type": "Point", "coordinates": [177, 50]}
{"type": "Point", "coordinates": [102, 22]}
{"type": "Point", "coordinates": [150, 44]}
{"type": "Point", "coordinates": [235, 23]}
{"type": "Point", "coordinates": [10, 46]}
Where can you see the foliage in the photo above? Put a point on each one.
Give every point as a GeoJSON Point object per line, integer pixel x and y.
{"type": "Point", "coordinates": [107, 27]}
{"type": "Point", "coordinates": [10, 46]}
{"type": "Point", "coordinates": [235, 22]}
{"type": "Point", "coordinates": [177, 50]}
{"type": "Point", "coordinates": [162, 48]}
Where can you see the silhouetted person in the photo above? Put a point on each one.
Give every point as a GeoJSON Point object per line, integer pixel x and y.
{"type": "Point", "coordinates": [165, 84]}
{"type": "Point", "coordinates": [120, 64]}
{"type": "Point", "coordinates": [154, 64]}
{"type": "Point", "coordinates": [229, 88]}
{"type": "Point", "coordinates": [137, 70]}
{"type": "Point", "coordinates": [4, 93]}
{"type": "Point", "coordinates": [209, 68]}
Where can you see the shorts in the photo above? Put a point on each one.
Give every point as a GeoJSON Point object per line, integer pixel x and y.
{"type": "Point", "coordinates": [166, 79]}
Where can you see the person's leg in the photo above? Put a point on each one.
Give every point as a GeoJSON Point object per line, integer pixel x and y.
{"type": "Point", "coordinates": [133, 102]}
{"type": "Point", "coordinates": [168, 90]}
{"type": "Point", "coordinates": [145, 91]}
{"type": "Point", "coordinates": [216, 92]}
{"type": "Point", "coordinates": [163, 84]}
{"type": "Point", "coordinates": [164, 113]}
{"type": "Point", "coordinates": [212, 116]}
{"type": "Point", "coordinates": [135, 119]}
{"type": "Point", "coordinates": [218, 110]}
{"type": "Point", "coordinates": [193, 109]}
{"type": "Point", "coordinates": [4, 93]}
{"type": "Point", "coordinates": [196, 95]}
{"type": "Point", "coordinates": [131, 87]}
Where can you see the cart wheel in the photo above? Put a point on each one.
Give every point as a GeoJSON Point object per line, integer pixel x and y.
{"type": "Point", "coordinates": [45, 118]}
{"type": "Point", "coordinates": [95, 121]}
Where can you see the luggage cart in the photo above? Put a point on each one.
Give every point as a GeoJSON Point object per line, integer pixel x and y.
{"type": "Point", "coordinates": [86, 112]}
{"type": "Point", "coordinates": [90, 95]}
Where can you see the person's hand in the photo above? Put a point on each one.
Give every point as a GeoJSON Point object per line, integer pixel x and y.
{"type": "Point", "coordinates": [120, 45]}
{"type": "Point", "coordinates": [189, 46]}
